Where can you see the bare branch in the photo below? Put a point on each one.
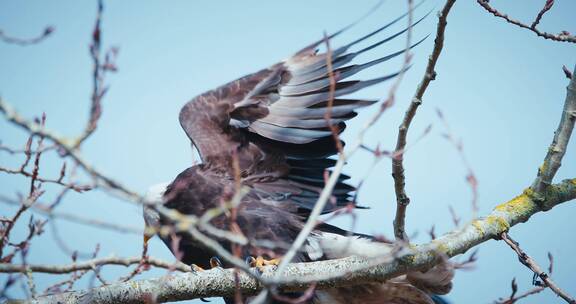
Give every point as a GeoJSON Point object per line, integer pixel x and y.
{"type": "Point", "coordinates": [24, 151]}
{"type": "Point", "coordinates": [562, 37]}
{"type": "Point", "coordinates": [66, 145]}
{"type": "Point", "coordinates": [469, 262]}
{"type": "Point", "coordinates": [48, 212]}
{"type": "Point", "coordinates": [58, 181]}
{"type": "Point", "coordinates": [557, 149]}
{"type": "Point", "coordinates": [35, 192]}
{"type": "Point", "coordinates": [547, 6]}
{"type": "Point", "coordinates": [90, 264]}
{"type": "Point", "coordinates": [514, 298]}
{"type": "Point", "coordinates": [26, 41]}
{"type": "Point", "coordinates": [402, 199]}
{"type": "Point", "coordinates": [332, 88]}
{"type": "Point", "coordinates": [527, 261]}
{"type": "Point", "coordinates": [99, 68]}
{"type": "Point", "coordinates": [470, 175]}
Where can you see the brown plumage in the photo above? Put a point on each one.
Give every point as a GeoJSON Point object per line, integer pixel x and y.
{"type": "Point", "coordinates": [268, 129]}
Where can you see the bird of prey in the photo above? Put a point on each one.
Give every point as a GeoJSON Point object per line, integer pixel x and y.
{"type": "Point", "coordinates": [268, 132]}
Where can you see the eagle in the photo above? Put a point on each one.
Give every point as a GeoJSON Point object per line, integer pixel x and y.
{"type": "Point", "coordinates": [268, 133]}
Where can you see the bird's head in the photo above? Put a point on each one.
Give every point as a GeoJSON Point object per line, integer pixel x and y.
{"type": "Point", "coordinates": [154, 195]}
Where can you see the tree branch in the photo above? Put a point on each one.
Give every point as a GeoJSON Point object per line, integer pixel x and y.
{"type": "Point", "coordinates": [402, 199]}
{"type": "Point", "coordinates": [562, 37]}
{"type": "Point", "coordinates": [557, 149]}
{"type": "Point", "coordinates": [26, 41]}
{"type": "Point", "coordinates": [66, 145]}
{"type": "Point", "coordinates": [331, 273]}
{"type": "Point", "coordinates": [547, 6]}
{"type": "Point", "coordinates": [91, 264]}
{"type": "Point", "coordinates": [529, 262]}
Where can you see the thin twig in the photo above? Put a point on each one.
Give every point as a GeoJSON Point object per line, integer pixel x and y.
{"type": "Point", "coordinates": [547, 6]}
{"type": "Point", "coordinates": [65, 144]}
{"type": "Point", "coordinates": [58, 181]}
{"type": "Point", "coordinates": [34, 193]}
{"type": "Point", "coordinates": [50, 213]}
{"type": "Point", "coordinates": [88, 265]}
{"type": "Point", "coordinates": [24, 151]}
{"type": "Point", "coordinates": [99, 68]}
{"type": "Point", "coordinates": [527, 261]}
{"type": "Point", "coordinates": [26, 41]}
{"type": "Point", "coordinates": [470, 175]}
{"type": "Point", "coordinates": [331, 90]}
{"type": "Point", "coordinates": [562, 37]}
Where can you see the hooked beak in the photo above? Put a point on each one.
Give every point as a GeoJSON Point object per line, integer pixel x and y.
{"type": "Point", "coordinates": [147, 238]}
{"type": "Point", "coordinates": [149, 233]}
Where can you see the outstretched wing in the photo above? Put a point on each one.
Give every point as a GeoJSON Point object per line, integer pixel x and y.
{"type": "Point", "coordinates": [274, 120]}
{"type": "Point", "coordinates": [285, 102]}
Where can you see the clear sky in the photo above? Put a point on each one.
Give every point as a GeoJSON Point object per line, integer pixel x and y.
{"type": "Point", "coordinates": [500, 88]}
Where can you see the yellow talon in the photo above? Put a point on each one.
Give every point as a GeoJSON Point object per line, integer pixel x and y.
{"type": "Point", "coordinates": [196, 268]}
{"type": "Point", "coordinates": [260, 262]}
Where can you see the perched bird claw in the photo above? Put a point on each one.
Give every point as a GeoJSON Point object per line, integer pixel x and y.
{"type": "Point", "coordinates": [196, 269]}
{"type": "Point", "coordinates": [250, 260]}
{"type": "Point", "coordinates": [215, 262]}
{"type": "Point", "coordinates": [260, 262]}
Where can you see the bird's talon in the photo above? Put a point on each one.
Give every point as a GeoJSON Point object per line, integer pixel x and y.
{"type": "Point", "coordinates": [260, 263]}
{"type": "Point", "coordinates": [250, 260]}
{"type": "Point", "coordinates": [196, 268]}
{"type": "Point", "coordinates": [215, 262]}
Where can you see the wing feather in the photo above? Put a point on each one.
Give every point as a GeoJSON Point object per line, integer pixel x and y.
{"type": "Point", "coordinates": [275, 118]}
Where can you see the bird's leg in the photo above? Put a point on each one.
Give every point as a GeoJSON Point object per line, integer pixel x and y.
{"type": "Point", "coordinates": [260, 262]}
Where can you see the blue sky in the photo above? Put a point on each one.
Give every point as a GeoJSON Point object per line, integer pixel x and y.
{"type": "Point", "coordinates": [500, 88]}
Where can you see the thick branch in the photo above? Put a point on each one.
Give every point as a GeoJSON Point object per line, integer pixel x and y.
{"type": "Point", "coordinates": [402, 199]}
{"type": "Point", "coordinates": [557, 149]}
{"type": "Point", "coordinates": [331, 273]}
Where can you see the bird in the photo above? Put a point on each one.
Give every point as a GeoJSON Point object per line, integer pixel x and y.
{"type": "Point", "coordinates": [267, 134]}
